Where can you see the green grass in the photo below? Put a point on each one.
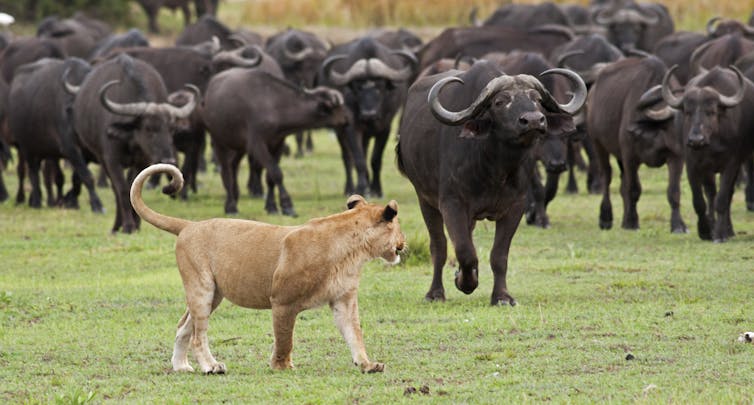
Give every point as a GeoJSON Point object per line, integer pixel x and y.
{"type": "Point", "coordinates": [90, 316]}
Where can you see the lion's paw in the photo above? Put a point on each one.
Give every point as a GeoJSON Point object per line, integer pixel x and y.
{"type": "Point", "coordinates": [183, 369]}
{"type": "Point", "coordinates": [217, 368]}
{"type": "Point", "coordinates": [373, 368]}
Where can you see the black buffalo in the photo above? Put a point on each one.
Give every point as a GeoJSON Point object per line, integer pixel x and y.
{"type": "Point", "coordinates": [44, 130]}
{"type": "Point", "coordinates": [249, 111]}
{"type": "Point", "coordinates": [633, 25]}
{"type": "Point", "coordinates": [77, 36]}
{"type": "Point", "coordinates": [525, 16]}
{"type": "Point", "coordinates": [471, 164]}
{"type": "Point", "coordinates": [622, 122]}
{"type": "Point", "coordinates": [717, 126]}
{"type": "Point", "coordinates": [373, 79]}
{"type": "Point", "coordinates": [122, 117]}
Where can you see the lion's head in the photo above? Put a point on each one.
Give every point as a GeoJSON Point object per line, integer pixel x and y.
{"type": "Point", "coordinates": [384, 238]}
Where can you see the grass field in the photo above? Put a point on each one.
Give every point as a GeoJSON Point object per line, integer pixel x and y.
{"type": "Point", "coordinates": [86, 315]}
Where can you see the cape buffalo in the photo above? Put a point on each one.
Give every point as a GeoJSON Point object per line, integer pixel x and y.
{"type": "Point", "coordinates": [44, 130]}
{"type": "Point", "coordinates": [249, 111]}
{"type": "Point", "coordinates": [472, 164]}
{"type": "Point", "coordinates": [122, 118]}
{"type": "Point", "coordinates": [633, 25]}
{"type": "Point", "coordinates": [717, 125]}
{"type": "Point", "coordinates": [373, 79]}
{"type": "Point", "coordinates": [621, 123]}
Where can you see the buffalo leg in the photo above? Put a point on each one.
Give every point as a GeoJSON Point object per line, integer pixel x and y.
{"type": "Point", "coordinates": [380, 141]}
{"type": "Point", "coordinates": [261, 153]}
{"type": "Point", "coordinates": [229, 160]}
{"type": "Point", "coordinates": [505, 228]}
{"type": "Point", "coordinates": [723, 224]}
{"type": "Point", "coordinates": [21, 173]}
{"type": "Point", "coordinates": [606, 208]}
{"type": "Point", "coordinates": [35, 197]}
{"type": "Point", "coordinates": [700, 206]}
{"type": "Point", "coordinates": [460, 228]}
{"type": "Point", "coordinates": [121, 190]}
{"type": "Point", "coordinates": [353, 142]}
{"type": "Point", "coordinates": [54, 180]}
{"type": "Point", "coordinates": [536, 214]}
{"type": "Point", "coordinates": [749, 170]}
{"type": "Point", "coordinates": [254, 184]}
{"type": "Point", "coordinates": [71, 198]}
{"type": "Point", "coordinates": [572, 151]}
{"type": "Point", "coordinates": [630, 190]}
{"type": "Point", "coordinates": [346, 156]}
{"type": "Point", "coordinates": [593, 180]}
{"type": "Point", "coordinates": [3, 189]}
{"type": "Point", "coordinates": [675, 168]}
{"type": "Point", "coordinates": [438, 248]}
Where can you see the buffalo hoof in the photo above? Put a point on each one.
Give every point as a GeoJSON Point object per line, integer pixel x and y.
{"type": "Point", "coordinates": [467, 283]}
{"type": "Point", "coordinates": [435, 295]}
{"type": "Point", "coordinates": [679, 228]}
{"type": "Point", "coordinates": [289, 211]}
{"type": "Point", "coordinates": [503, 299]}
{"type": "Point", "coordinates": [97, 208]}
{"type": "Point", "coordinates": [750, 205]}
{"type": "Point", "coordinates": [605, 225]}
{"type": "Point", "coordinates": [231, 211]}
{"type": "Point", "coordinates": [630, 226]}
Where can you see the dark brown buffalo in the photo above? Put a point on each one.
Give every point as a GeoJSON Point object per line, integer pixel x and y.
{"type": "Point", "coordinates": [300, 54]}
{"type": "Point", "coordinates": [207, 27]}
{"type": "Point", "coordinates": [717, 128]}
{"type": "Point", "coordinates": [723, 51]}
{"type": "Point", "coordinates": [373, 79]}
{"type": "Point", "coordinates": [676, 49]}
{"type": "Point", "coordinates": [152, 9]}
{"type": "Point", "coordinates": [122, 117]}
{"type": "Point", "coordinates": [249, 111]}
{"type": "Point", "coordinates": [552, 148]}
{"type": "Point", "coordinates": [526, 16]}
{"type": "Point", "coordinates": [77, 36]}
{"type": "Point", "coordinates": [478, 41]}
{"type": "Point", "coordinates": [44, 130]}
{"type": "Point", "coordinates": [623, 124]}
{"type": "Point", "coordinates": [471, 164]}
{"type": "Point", "coordinates": [632, 25]}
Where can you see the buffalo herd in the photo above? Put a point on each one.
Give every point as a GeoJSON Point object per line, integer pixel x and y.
{"type": "Point", "coordinates": [481, 107]}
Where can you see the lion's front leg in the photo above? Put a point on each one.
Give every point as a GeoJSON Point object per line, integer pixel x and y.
{"type": "Point", "coordinates": [346, 313]}
{"type": "Point", "coordinates": [283, 321]}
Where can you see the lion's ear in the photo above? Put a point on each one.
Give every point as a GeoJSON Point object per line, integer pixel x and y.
{"type": "Point", "coordinates": [391, 210]}
{"type": "Point", "coordinates": [354, 200]}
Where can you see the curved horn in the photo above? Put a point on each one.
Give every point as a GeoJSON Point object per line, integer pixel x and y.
{"type": "Point", "coordinates": [734, 100]}
{"type": "Point", "coordinates": [336, 96]}
{"type": "Point", "coordinates": [459, 117]}
{"type": "Point", "coordinates": [296, 56]}
{"type": "Point", "coordinates": [565, 55]}
{"type": "Point", "coordinates": [236, 58]}
{"type": "Point", "coordinates": [70, 88]}
{"type": "Point", "coordinates": [554, 29]}
{"type": "Point", "coordinates": [639, 16]}
{"type": "Point", "coordinates": [602, 18]}
{"type": "Point", "coordinates": [184, 111]}
{"type": "Point", "coordinates": [376, 67]}
{"type": "Point", "coordinates": [650, 97]}
{"type": "Point", "coordinates": [579, 96]}
{"type": "Point", "coordinates": [327, 67]}
{"type": "Point", "coordinates": [130, 109]}
{"type": "Point", "coordinates": [637, 53]}
{"type": "Point", "coordinates": [711, 25]}
{"type": "Point", "coordinates": [667, 94]}
{"type": "Point", "coordinates": [237, 40]}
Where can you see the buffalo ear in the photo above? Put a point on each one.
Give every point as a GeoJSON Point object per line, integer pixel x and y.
{"type": "Point", "coordinates": [355, 200]}
{"type": "Point", "coordinates": [477, 128]}
{"type": "Point", "coordinates": [122, 131]}
{"type": "Point", "coordinates": [560, 124]}
{"type": "Point", "coordinates": [391, 210]}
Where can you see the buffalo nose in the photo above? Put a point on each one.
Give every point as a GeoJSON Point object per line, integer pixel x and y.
{"type": "Point", "coordinates": [556, 166]}
{"type": "Point", "coordinates": [532, 120]}
{"type": "Point", "coordinates": [696, 140]}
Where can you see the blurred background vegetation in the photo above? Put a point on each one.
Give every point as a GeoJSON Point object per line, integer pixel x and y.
{"type": "Point", "coordinates": [688, 14]}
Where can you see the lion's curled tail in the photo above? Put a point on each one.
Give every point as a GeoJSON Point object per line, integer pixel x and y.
{"type": "Point", "coordinates": [164, 222]}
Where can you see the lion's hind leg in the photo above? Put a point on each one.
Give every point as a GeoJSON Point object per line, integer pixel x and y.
{"type": "Point", "coordinates": [202, 298]}
{"type": "Point", "coordinates": [346, 314]}
{"type": "Point", "coordinates": [182, 340]}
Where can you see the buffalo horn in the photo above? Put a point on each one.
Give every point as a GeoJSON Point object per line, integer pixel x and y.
{"type": "Point", "coordinates": [147, 107]}
{"type": "Point", "coordinates": [579, 96]}
{"type": "Point", "coordinates": [667, 94]}
{"type": "Point", "coordinates": [711, 25]}
{"type": "Point", "coordinates": [296, 56]}
{"type": "Point", "coordinates": [732, 101]}
{"type": "Point", "coordinates": [70, 88]}
{"type": "Point", "coordinates": [236, 58]}
{"type": "Point", "coordinates": [459, 117]}
{"type": "Point", "coordinates": [650, 97]}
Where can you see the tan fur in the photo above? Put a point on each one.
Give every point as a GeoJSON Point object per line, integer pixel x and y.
{"type": "Point", "coordinates": [284, 268]}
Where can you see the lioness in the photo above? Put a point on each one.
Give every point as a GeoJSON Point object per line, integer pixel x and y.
{"type": "Point", "coordinates": [285, 268]}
